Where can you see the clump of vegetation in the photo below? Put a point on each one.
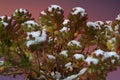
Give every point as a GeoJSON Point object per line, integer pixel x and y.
{"type": "Point", "coordinates": [55, 48]}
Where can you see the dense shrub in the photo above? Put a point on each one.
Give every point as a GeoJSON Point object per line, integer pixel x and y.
{"type": "Point", "coordinates": [54, 48]}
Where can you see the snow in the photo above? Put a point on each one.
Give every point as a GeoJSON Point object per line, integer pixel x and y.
{"type": "Point", "coordinates": [79, 56]}
{"type": "Point", "coordinates": [58, 12]}
{"type": "Point", "coordinates": [98, 52]}
{"type": "Point", "coordinates": [68, 65]}
{"type": "Point", "coordinates": [118, 17]}
{"type": "Point", "coordinates": [2, 17]}
{"type": "Point", "coordinates": [108, 22]}
{"type": "Point", "coordinates": [110, 28]}
{"type": "Point", "coordinates": [64, 52]}
{"type": "Point", "coordinates": [108, 25]}
{"type": "Point", "coordinates": [105, 56]}
{"type": "Point", "coordinates": [38, 37]}
{"type": "Point", "coordinates": [56, 75]}
{"type": "Point", "coordinates": [53, 7]}
{"type": "Point", "coordinates": [90, 60]}
{"type": "Point", "coordinates": [42, 77]}
{"type": "Point", "coordinates": [34, 34]}
{"type": "Point", "coordinates": [5, 24]}
{"type": "Point", "coordinates": [92, 24]}
{"type": "Point", "coordinates": [112, 40]}
{"type": "Point", "coordinates": [1, 63]}
{"type": "Point", "coordinates": [65, 21]}
{"type": "Point", "coordinates": [43, 13]}
{"type": "Point", "coordinates": [52, 74]}
{"type": "Point", "coordinates": [2, 20]}
{"type": "Point", "coordinates": [64, 29]}
{"type": "Point", "coordinates": [117, 27]}
{"type": "Point", "coordinates": [77, 10]}
{"type": "Point", "coordinates": [113, 61]}
{"type": "Point", "coordinates": [110, 54]}
{"type": "Point", "coordinates": [30, 22]}
{"type": "Point", "coordinates": [82, 71]}
{"type": "Point", "coordinates": [74, 42]}
{"type": "Point", "coordinates": [51, 57]}
{"type": "Point", "coordinates": [21, 10]}
{"type": "Point", "coordinates": [72, 77]}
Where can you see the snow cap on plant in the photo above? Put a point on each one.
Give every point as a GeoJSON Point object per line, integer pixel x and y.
{"type": "Point", "coordinates": [21, 15]}
{"type": "Point", "coordinates": [51, 19]}
{"type": "Point", "coordinates": [9, 28]}
{"type": "Point", "coordinates": [93, 25]}
{"type": "Point", "coordinates": [74, 43]}
{"type": "Point", "coordinates": [30, 25]}
{"type": "Point", "coordinates": [52, 7]}
{"type": "Point", "coordinates": [78, 10]}
{"type": "Point", "coordinates": [4, 20]}
{"type": "Point", "coordinates": [49, 49]}
{"type": "Point", "coordinates": [35, 37]}
{"type": "Point", "coordinates": [118, 17]}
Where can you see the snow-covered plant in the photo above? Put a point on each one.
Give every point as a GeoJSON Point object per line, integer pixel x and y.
{"type": "Point", "coordinates": [55, 48]}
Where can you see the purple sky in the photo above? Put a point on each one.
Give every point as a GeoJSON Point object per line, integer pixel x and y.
{"type": "Point", "coordinates": [96, 9]}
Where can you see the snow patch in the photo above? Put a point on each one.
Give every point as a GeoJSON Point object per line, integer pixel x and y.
{"type": "Point", "coordinates": [110, 28]}
{"type": "Point", "coordinates": [53, 7]}
{"type": "Point", "coordinates": [98, 52]}
{"type": "Point", "coordinates": [77, 10]}
{"type": "Point", "coordinates": [92, 24]}
{"type": "Point", "coordinates": [21, 10]}
{"type": "Point", "coordinates": [64, 52]}
{"type": "Point", "coordinates": [68, 65]}
{"type": "Point", "coordinates": [56, 75]}
{"type": "Point", "coordinates": [72, 77]}
{"type": "Point", "coordinates": [2, 17]}
{"type": "Point", "coordinates": [66, 21]}
{"type": "Point", "coordinates": [43, 13]}
{"type": "Point", "coordinates": [74, 42]}
{"type": "Point", "coordinates": [118, 17]}
{"type": "Point", "coordinates": [117, 27]}
{"type": "Point", "coordinates": [82, 71]}
{"type": "Point", "coordinates": [90, 60]}
{"type": "Point", "coordinates": [30, 22]}
{"type": "Point", "coordinates": [39, 37]}
{"type": "Point", "coordinates": [109, 23]}
{"type": "Point", "coordinates": [113, 61]}
{"type": "Point", "coordinates": [51, 57]}
{"type": "Point", "coordinates": [79, 56]}
{"type": "Point", "coordinates": [5, 24]}
{"type": "Point", "coordinates": [110, 54]}
{"type": "Point", "coordinates": [2, 20]}
{"type": "Point", "coordinates": [1, 63]}
{"type": "Point", "coordinates": [64, 29]}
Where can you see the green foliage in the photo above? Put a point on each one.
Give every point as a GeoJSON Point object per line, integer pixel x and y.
{"type": "Point", "coordinates": [56, 48]}
{"type": "Point", "coordinates": [21, 15]}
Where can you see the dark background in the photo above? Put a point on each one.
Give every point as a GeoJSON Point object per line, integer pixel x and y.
{"type": "Point", "coordinates": [104, 10]}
